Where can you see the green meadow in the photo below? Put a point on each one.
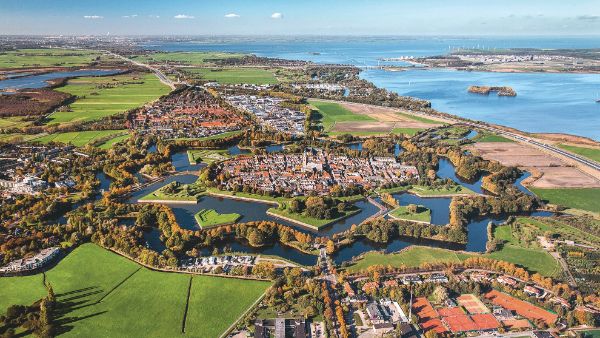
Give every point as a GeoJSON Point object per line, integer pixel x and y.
{"type": "Point", "coordinates": [98, 97]}
{"type": "Point", "coordinates": [332, 112]}
{"type": "Point", "coordinates": [577, 198]}
{"type": "Point", "coordinates": [82, 138]}
{"type": "Point", "coordinates": [193, 58]}
{"type": "Point", "coordinates": [413, 256]}
{"type": "Point", "coordinates": [235, 75]}
{"type": "Point", "coordinates": [46, 58]}
{"type": "Point", "coordinates": [101, 294]}
{"type": "Point", "coordinates": [208, 218]}
{"type": "Point", "coordinates": [591, 153]}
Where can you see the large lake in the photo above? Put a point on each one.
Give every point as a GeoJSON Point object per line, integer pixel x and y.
{"type": "Point", "coordinates": [562, 103]}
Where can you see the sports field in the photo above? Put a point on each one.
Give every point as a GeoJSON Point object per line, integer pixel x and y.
{"type": "Point", "coordinates": [235, 75]}
{"type": "Point", "coordinates": [101, 294]}
{"type": "Point", "coordinates": [208, 218]}
{"type": "Point", "coordinates": [333, 113]}
{"type": "Point", "coordinates": [577, 198]}
{"type": "Point", "coordinates": [108, 95]}
{"type": "Point", "coordinates": [46, 58]}
{"type": "Point", "coordinates": [82, 138]}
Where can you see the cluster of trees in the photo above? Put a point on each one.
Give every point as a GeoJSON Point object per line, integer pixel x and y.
{"type": "Point", "coordinates": [319, 207]}
{"type": "Point", "coordinates": [382, 230]}
{"type": "Point", "coordinates": [333, 313]}
{"type": "Point", "coordinates": [35, 318]}
{"type": "Point", "coordinates": [462, 208]}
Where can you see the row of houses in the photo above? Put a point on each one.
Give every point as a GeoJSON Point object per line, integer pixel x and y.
{"type": "Point", "coordinates": [38, 261]}
{"type": "Point", "coordinates": [270, 113]}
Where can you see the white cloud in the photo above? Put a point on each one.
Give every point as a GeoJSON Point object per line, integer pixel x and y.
{"type": "Point", "coordinates": [232, 16]}
{"type": "Point", "coordinates": [154, 16]}
{"type": "Point", "coordinates": [130, 16]}
{"type": "Point", "coordinates": [183, 16]}
{"type": "Point", "coordinates": [276, 15]}
{"type": "Point", "coordinates": [93, 17]}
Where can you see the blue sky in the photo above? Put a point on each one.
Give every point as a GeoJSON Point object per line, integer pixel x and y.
{"type": "Point", "coordinates": [294, 17]}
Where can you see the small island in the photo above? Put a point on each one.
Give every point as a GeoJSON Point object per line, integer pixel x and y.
{"type": "Point", "coordinates": [486, 90]}
{"type": "Point", "coordinates": [175, 192]}
{"type": "Point", "coordinates": [412, 212]}
{"type": "Point", "coordinates": [208, 218]}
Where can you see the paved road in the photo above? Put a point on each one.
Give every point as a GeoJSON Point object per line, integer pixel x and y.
{"type": "Point", "coordinates": [160, 75]}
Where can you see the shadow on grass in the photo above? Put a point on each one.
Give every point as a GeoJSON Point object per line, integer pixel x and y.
{"type": "Point", "coordinates": [66, 307]}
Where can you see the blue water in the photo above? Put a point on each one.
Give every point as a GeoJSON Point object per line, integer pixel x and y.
{"type": "Point", "coordinates": [545, 102]}
{"type": "Point", "coordinates": [39, 81]}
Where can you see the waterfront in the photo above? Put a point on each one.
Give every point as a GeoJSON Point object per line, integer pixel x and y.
{"type": "Point", "coordinates": [40, 81]}
{"type": "Point", "coordinates": [546, 102]}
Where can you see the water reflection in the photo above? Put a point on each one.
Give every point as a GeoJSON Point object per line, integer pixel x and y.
{"type": "Point", "coordinates": [39, 81]}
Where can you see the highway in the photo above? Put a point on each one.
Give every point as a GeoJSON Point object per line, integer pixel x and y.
{"type": "Point", "coordinates": [160, 75]}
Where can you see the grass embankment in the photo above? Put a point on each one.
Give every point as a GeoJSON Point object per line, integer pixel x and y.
{"type": "Point", "coordinates": [208, 218]}
{"type": "Point", "coordinates": [130, 302]}
{"type": "Point", "coordinates": [24, 58]}
{"type": "Point", "coordinates": [315, 222]}
{"type": "Point", "coordinates": [108, 95]}
{"type": "Point", "coordinates": [533, 258]}
{"type": "Point", "coordinates": [422, 215]}
{"type": "Point", "coordinates": [419, 118]}
{"type": "Point", "coordinates": [577, 198]}
{"type": "Point", "coordinates": [82, 138]}
{"type": "Point", "coordinates": [234, 75]}
{"type": "Point", "coordinates": [430, 191]}
{"type": "Point", "coordinates": [332, 112]}
{"type": "Point", "coordinates": [489, 137]}
{"type": "Point", "coordinates": [176, 192]}
{"type": "Point", "coordinates": [207, 156]}
{"type": "Point", "coordinates": [591, 153]}
{"type": "Point", "coordinates": [191, 58]}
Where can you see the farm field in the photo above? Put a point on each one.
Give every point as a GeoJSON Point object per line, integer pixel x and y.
{"type": "Point", "coordinates": [422, 215]}
{"type": "Point", "coordinates": [104, 96]}
{"type": "Point", "coordinates": [108, 144]}
{"type": "Point", "coordinates": [192, 58]}
{"type": "Point", "coordinates": [103, 295]}
{"type": "Point", "coordinates": [333, 113]}
{"type": "Point", "coordinates": [577, 198]}
{"type": "Point", "coordinates": [23, 58]}
{"type": "Point", "coordinates": [82, 138]}
{"type": "Point", "coordinates": [207, 218]}
{"type": "Point", "coordinates": [13, 122]}
{"type": "Point", "coordinates": [235, 75]}
{"type": "Point", "coordinates": [413, 256]}
{"type": "Point", "coordinates": [591, 153]}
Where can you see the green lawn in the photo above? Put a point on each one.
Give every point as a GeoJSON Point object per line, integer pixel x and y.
{"type": "Point", "coordinates": [193, 58]}
{"type": "Point", "coordinates": [46, 58]}
{"type": "Point", "coordinates": [108, 144]}
{"type": "Point", "coordinates": [422, 215]}
{"type": "Point", "coordinates": [207, 218]}
{"type": "Point", "coordinates": [591, 333]}
{"type": "Point", "coordinates": [406, 131]}
{"type": "Point", "coordinates": [577, 198]}
{"type": "Point", "coordinates": [82, 138]}
{"type": "Point", "coordinates": [413, 256]}
{"type": "Point", "coordinates": [13, 122]}
{"type": "Point", "coordinates": [207, 156]}
{"type": "Point", "coordinates": [108, 95]}
{"type": "Point", "coordinates": [131, 303]}
{"type": "Point", "coordinates": [332, 112]}
{"type": "Point", "coordinates": [532, 258]}
{"type": "Point", "coordinates": [591, 153]}
{"type": "Point", "coordinates": [235, 75]}
{"type": "Point", "coordinates": [185, 192]}
{"type": "Point", "coordinates": [488, 137]}
{"type": "Point", "coordinates": [419, 118]}
{"type": "Point", "coordinates": [311, 220]}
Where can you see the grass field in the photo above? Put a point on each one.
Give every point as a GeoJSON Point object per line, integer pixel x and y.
{"type": "Point", "coordinates": [129, 301]}
{"type": "Point", "coordinates": [17, 137]}
{"type": "Point", "coordinates": [13, 122]}
{"type": "Point", "coordinates": [235, 75]}
{"type": "Point", "coordinates": [418, 118]}
{"type": "Point", "coordinates": [108, 144]}
{"type": "Point", "coordinates": [406, 131]}
{"type": "Point", "coordinates": [193, 58]}
{"type": "Point", "coordinates": [108, 95]}
{"type": "Point", "coordinates": [46, 58]}
{"type": "Point", "coordinates": [488, 137]}
{"type": "Point", "coordinates": [413, 256]}
{"type": "Point", "coordinates": [186, 192]}
{"type": "Point", "coordinates": [207, 156]}
{"type": "Point", "coordinates": [591, 153]}
{"type": "Point", "coordinates": [82, 138]}
{"type": "Point", "coordinates": [207, 218]}
{"type": "Point", "coordinates": [422, 215]}
{"type": "Point", "coordinates": [590, 334]}
{"type": "Point", "coordinates": [577, 198]}
{"type": "Point", "coordinates": [333, 112]}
